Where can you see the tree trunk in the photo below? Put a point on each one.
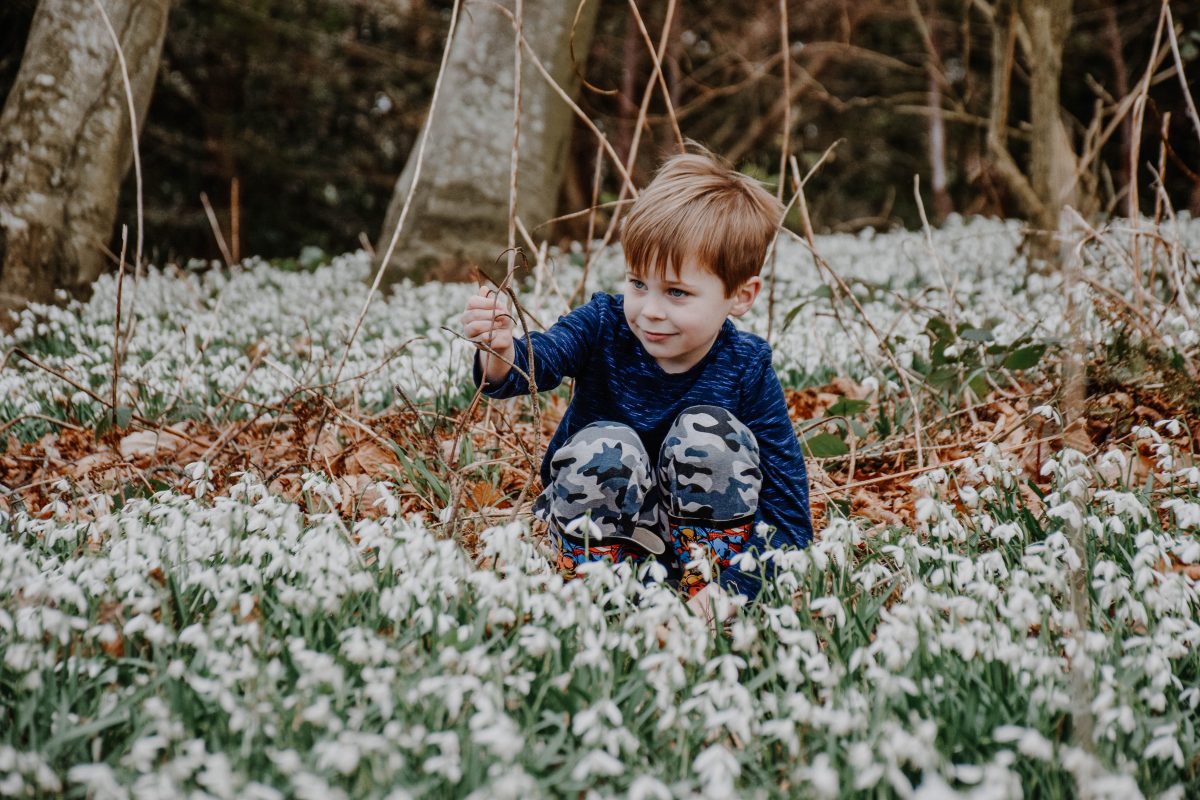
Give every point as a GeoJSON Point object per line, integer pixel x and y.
{"type": "Point", "coordinates": [65, 142]}
{"type": "Point", "coordinates": [1052, 159]}
{"type": "Point", "coordinates": [459, 214]}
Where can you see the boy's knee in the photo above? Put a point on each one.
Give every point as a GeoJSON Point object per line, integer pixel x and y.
{"type": "Point", "coordinates": [602, 449]}
{"type": "Point", "coordinates": [602, 467]}
{"type": "Point", "coordinates": [709, 466]}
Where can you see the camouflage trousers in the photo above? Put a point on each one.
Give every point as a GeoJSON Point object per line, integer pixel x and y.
{"type": "Point", "coordinates": [608, 499]}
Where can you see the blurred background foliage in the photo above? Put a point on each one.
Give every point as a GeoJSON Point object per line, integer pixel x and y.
{"type": "Point", "coordinates": [313, 107]}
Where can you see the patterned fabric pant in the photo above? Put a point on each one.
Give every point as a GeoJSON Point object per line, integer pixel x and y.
{"type": "Point", "coordinates": [606, 497]}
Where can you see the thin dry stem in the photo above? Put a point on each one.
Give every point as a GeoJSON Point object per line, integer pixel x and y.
{"type": "Point", "coordinates": [1187, 93]}
{"type": "Point", "coordinates": [627, 188]}
{"type": "Point", "coordinates": [116, 359]}
{"type": "Point", "coordinates": [216, 229]}
{"type": "Point", "coordinates": [387, 256]}
{"type": "Point", "coordinates": [656, 58]}
{"type": "Point", "coordinates": [810, 244]}
{"type": "Point", "coordinates": [947, 286]}
{"type": "Point", "coordinates": [133, 133]}
{"type": "Point", "coordinates": [785, 57]}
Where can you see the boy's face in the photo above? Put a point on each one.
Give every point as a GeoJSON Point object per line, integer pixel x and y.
{"type": "Point", "coordinates": [677, 318]}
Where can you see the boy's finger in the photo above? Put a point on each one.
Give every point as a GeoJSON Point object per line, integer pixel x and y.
{"type": "Point", "coordinates": [491, 316]}
{"type": "Point", "coordinates": [478, 301]}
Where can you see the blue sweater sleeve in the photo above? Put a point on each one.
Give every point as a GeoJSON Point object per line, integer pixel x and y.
{"type": "Point", "coordinates": [783, 498]}
{"type": "Point", "coordinates": [557, 353]}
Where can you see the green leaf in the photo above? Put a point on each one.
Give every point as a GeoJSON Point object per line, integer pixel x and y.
{"type": "Point", "coordinates": [791, 315]}
{"type": "Point", "coordinates": [975, 335]}
{"type": "Point", "coordinates": [124, 414]}
{"type": "Point", "coordinates": [944, 377]}
{"type": "Point", "coordinates": [979, 385]}
{"type": "Point", "coordinates": [940, 329]}
{"type": "Point", "coordinates": [846, 407]}
{"type": "Point", "coordinates": [1025, 357]}
{"type": "Point", "coordinates": [825, 445]}
{"type": "Point", "coordinates": [190, 411]}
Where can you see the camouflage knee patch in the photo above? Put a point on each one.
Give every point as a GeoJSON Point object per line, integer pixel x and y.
{"type": "Point", "coordinates": [601, 470]}
{"type": "Point", "coordinates": [708, 468]}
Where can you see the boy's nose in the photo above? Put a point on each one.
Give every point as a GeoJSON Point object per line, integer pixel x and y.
{"type": "Point", "coordinates": [652, 309]}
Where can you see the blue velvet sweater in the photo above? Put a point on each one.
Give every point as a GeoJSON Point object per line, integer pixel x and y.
{"type": "Point", "coordinates": [617, 380]}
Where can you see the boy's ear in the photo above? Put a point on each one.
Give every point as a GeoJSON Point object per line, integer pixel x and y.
{"type": "Point", "coordinates": [745, 295]}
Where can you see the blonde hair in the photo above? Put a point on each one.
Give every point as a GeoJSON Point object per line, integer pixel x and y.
{"type": "Point", "coordinates": [698, 206]}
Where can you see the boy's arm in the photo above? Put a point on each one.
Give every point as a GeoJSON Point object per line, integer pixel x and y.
{"type": "Point", "coordinates": [783, 498]}
{"type": "Point", "coordinates": [557, 353]}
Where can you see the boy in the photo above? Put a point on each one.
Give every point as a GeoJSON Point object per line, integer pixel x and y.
{"type": "Point", "coordinates": [677, 440]}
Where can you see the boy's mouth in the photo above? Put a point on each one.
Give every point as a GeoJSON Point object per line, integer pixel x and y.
{"type": "Point", "coordinates": [656, 337]}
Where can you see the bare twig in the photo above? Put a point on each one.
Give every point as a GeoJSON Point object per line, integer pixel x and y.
{"type": "Point", "coordinates": [216, 229]}
{"type": "Point", "coordinates": [235, 219]}
{"type": "Point", "coordinates": [656, 59]}
{"type": "Point", "coordinates": [581, 288]}
{"type": "Point", "coordinates": [627, 188]}
{"type": "Point", "coordinates": [810, 243]}
{"type": "Point", "coordinates": [1187, 93]}
{"type": "Point", "coordinates": [456, 480]}
{"type": "Point", "coordinates": [116, 359]}
{"type": "Point", "coordinates": [60, 422]}
{"type": "Point", "coordinates": [948, 286]}
{"type": "Point", "coordinates": [134, 416]}
{"type": "Point", "coordinates": [785, 57]}
{"type": "Point", "coordinates": [412, 190]}
{"type": "Point", "coordinates": [133, 133]}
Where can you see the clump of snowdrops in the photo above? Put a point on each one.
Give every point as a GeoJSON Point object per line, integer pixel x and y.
{"type": "Point", "coordinates": [248, 646]}
{"type": "Point", "coordinates": [209, 339]}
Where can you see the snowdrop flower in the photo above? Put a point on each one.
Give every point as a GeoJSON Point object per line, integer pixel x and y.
{"type": "Point", "coordinates": [1048, 413]}
{"type": "Point", "coordinates": [1172, 425]}
{"type": "Point", "coordinates": [646, 787]}
{"type": "Point", "coordinates": [821, 776]}
{"type": "Point", "coordinates": [317, 484]}
{"type": "Point", "coordinates": [830, 606]}
{"type": "Point", "coordinates": [1029, 742]}
{"type": "Point", "coordinates": [596, 763]}
{"type": "Point", "coordinates": [199, 474]}
{"type": "Point", "coordinates": [718, 769]}
{"type": "Point", "coordinates": [590, 529]}
{"type": "Point", "coordinates": [99, 780]}
{"type": "Point", "coordinates": [447, 762]}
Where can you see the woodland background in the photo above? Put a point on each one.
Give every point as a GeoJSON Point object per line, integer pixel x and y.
{"type": "Point", "coordinates": [314, 106]}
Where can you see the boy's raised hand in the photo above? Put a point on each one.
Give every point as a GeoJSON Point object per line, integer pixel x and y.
{"type": "Point", "coordinates": [487, 321]}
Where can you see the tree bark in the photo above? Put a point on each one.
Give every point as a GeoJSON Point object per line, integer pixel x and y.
{"type": "Point", "coordinates": [1052, 159]}
{"type": "Point", "coordinates": [1004, 39]}
{"type": "Point", "coordinates": [65, 142]}
{"type": "Point", "coordinates": [459, 214]}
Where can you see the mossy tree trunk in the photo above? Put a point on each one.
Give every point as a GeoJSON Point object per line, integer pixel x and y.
{"type": "Point", "coordinates": [459, 214]}
{"type": "Point", "coordinates": [65, 142]}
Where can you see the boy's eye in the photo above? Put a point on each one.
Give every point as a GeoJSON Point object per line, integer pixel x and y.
{"type": "Point", "coordinates": [635, 283]}
{"type": "Point", "coordinates": [677, 293]}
